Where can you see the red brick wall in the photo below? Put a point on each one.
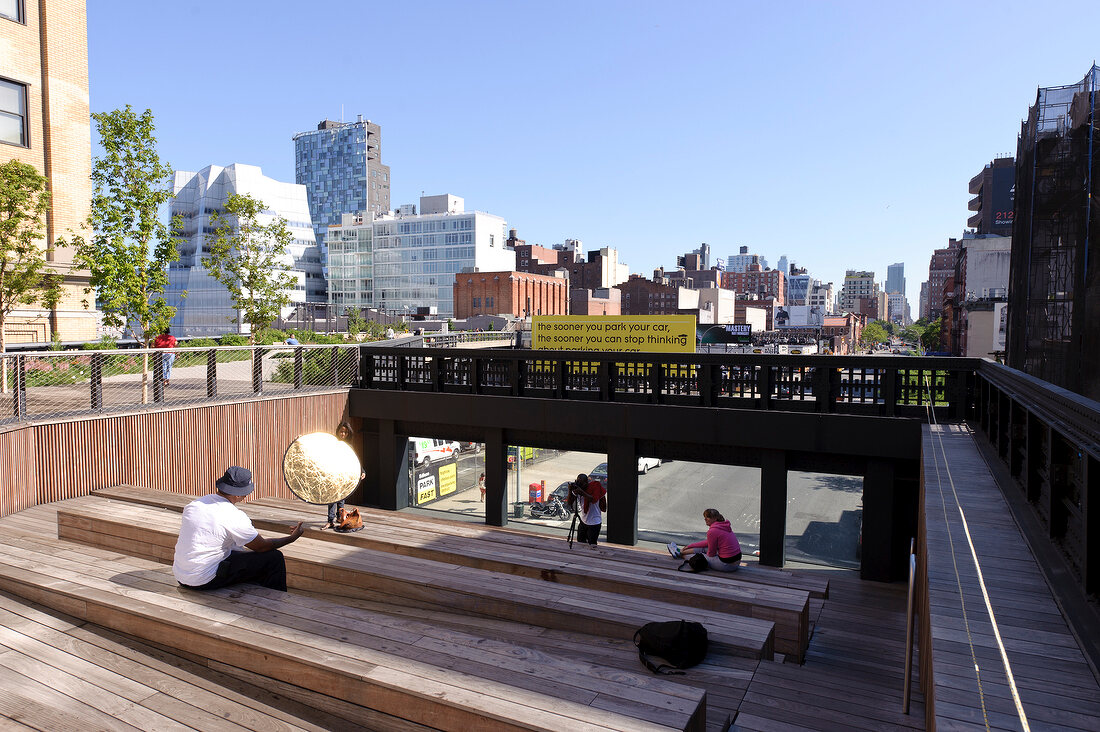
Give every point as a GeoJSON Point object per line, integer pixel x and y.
{"type": "Point", "coordinates": [509, 293]}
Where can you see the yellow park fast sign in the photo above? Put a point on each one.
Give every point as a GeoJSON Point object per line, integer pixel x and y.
{"type": "Point", "coordinates": [615, 333]}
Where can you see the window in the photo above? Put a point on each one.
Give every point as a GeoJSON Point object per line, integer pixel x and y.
{"type": "Point", "coordinates": [12, 10]}
{"type": "Point", "coordinates": [13, 112]}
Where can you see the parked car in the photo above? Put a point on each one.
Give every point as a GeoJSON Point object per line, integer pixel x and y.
{"type": "Point", "coordinates": [644, 465]}
{"type": "Point", "coordinates": [426, 450]}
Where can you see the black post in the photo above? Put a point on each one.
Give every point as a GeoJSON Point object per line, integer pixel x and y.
{"type": "Point", "coordinates": [20, 394]}
{"type": "Point", "coordinates": [298, 367]}
{"type": "Point", "coordinates": [97, 381]}
{"type": "Point", "coordinates": [773, 508]}
{"type": "Point", "coordinates": [496, 478]}
{"type": "Point", "coordinates": [158, 376]}
{"type": "Point", "coordinates": [211, 373]}
{"type": "Point", "coordinates": [622, 497]}
{"type": "Point", "coordinates": [878, 522]}
{"type": "Point", "coordinates": [334, 366]}
{"type": "Point", "coordinates": [257, 370]}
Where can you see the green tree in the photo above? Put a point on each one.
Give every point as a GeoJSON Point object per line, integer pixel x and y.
{"type": "Point", "coordinates": [356, 321]}
{"type": "Point", "coordinates": [130, 248]}
{"type": "Point", "coordinates": [251, 260]}
{"type": "Point", "coordinates": [25, 276]}
{"type": "Point", "coordinates": [930, 338]}
{"type": "Point", "coordinates": [874, 333]}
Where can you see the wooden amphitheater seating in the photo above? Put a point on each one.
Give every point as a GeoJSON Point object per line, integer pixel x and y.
{"type": "Point", "coordinates": [404, 674]}
{"type": "Point", "coordinates": [547, 559]}
{"type": "Point", "coordinates": [656, 563]}
{"type": "Point", "coordinates": [359, 572]}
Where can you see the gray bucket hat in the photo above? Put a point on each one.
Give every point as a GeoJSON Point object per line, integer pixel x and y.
{"type": "Point", "coordinates": [237, 481]}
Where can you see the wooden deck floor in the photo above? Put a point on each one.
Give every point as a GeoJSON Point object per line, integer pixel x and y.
{"type": "Point", "coordinates": [1041, 678]}
{"type": "Point", "coordinates": [58, 673]}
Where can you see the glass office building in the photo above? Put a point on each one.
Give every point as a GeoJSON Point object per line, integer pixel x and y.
{"type": "Point", "coordinates": [206, 309]}
{"type": "Point", "coordinates": [340, 164]}
{"type": "Point", "coordinates": [403, 261]}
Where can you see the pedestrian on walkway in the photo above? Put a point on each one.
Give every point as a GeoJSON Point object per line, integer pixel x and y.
{"type": "Point", "coordinates": [166, 340]}
{"type": "Point", "coordinates": [481, 486]}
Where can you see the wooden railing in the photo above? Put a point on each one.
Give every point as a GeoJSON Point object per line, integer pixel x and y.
{"type": "Point", "coordinates": [1049, 441]}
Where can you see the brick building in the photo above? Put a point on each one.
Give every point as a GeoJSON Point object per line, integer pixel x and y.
{"type": "Point", "coordinates": [645, 297]}
{"type": "Point", "coordinates": [755, 280]}
{"type": "Point", "coordinates": [44, 107]}
{"type": "Point", "coordinates": [601, 301]}
{"type": "Point", "coordinates": [518, 294]}
{"type": "Point", "coordinates": [940, 267]}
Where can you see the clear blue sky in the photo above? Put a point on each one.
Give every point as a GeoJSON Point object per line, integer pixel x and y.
{"type": "Point", "coordinates": [840, 134]}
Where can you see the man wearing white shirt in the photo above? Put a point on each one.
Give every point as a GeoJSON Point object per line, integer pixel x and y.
{"type": "Point", "coordinates": [218, 545]}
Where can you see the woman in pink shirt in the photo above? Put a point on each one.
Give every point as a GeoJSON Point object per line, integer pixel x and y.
{"type": "Point", "coordinates": [721, 548]}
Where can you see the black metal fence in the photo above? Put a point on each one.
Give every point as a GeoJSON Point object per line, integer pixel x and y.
{"type": "Point", "coordinates": [872, 385]}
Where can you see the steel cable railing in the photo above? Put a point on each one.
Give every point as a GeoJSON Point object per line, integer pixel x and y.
{"type": "Point", "coordinates": [60, 384]}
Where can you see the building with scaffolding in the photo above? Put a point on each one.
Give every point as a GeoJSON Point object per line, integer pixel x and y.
{"type": "Point", "coordinates": [1054, 286]}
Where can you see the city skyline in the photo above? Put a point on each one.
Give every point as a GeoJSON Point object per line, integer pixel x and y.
{"type": "Point", "coordinates": [843, 137]}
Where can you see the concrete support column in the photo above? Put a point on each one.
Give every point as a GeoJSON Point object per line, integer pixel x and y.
{"type": "Point", "coordinates": [387, 486]}
{"type": "Point", "coordinates": [622, 493]}
{"type": "Point", "coordinates": [878, 522]}
{"type": "Point", "coordinates": [773, 508]}
{"type": "Point", "coordinates": [496, 478]}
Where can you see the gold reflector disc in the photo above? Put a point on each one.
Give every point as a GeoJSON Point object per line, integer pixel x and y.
{"type": "Point", "coordinates": [320, 468]}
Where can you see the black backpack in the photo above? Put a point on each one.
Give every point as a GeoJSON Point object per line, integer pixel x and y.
{"type": "Point", "coordinates": [680, 642]}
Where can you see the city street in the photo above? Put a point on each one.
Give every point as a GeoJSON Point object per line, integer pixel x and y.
{"type": "Point", "coordinates": [823, 511]}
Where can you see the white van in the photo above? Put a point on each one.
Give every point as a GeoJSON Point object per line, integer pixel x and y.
{"type": "Point", "coordinates": [426, 450]}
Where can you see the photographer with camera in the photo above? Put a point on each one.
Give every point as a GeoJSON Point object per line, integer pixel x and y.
{"type": "Point", "coordinates": [588, 501]}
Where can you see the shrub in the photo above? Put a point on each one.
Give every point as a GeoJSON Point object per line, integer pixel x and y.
{"type": "Point", "coordinates": [316, 368]}
{"type": "Point", "coordinates": [103, 344]}
{"type": "Point", "coordinates": [233, 339]}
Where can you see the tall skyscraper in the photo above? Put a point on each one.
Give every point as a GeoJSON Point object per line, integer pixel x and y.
{"type": "Point", "coordinates": [340, 164]}
{"type": "Point", "coordinates": [895, 278]}
{"type": "Point", "coordinates": [44, 123]}
{"type": "Point", "coordinates": [783, 266]}
{"type": "Point", "coordinates": [207, 310]}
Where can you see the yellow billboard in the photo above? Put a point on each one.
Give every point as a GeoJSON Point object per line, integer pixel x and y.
{"type": "Point", "coordinates": [615, 333]}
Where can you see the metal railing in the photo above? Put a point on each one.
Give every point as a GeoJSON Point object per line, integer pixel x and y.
{"type": "Point", "coordinates": [59, 384]}
{"type": "Point", "coordinates": [873, 385]}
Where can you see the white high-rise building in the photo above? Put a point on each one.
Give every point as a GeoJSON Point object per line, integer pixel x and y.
{"type": "Point", "coordinates": [403, 261]}
{"type": "Point", "coordinates": [741, 262]}
{"type": "Point", "coordinates": [207, 309]}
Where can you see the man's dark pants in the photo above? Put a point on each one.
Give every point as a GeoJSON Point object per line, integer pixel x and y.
{"type": "Point", "coordinates": [588, 534]}
{"type": "Point", "coordinates": [267, 569]}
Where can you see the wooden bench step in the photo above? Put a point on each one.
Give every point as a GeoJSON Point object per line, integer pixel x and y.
{"type": "Point", "coordinates": [359, 657]}
{"type": "Point", "coordinates": [658, 563]}
{"type": "Point", "coordinates": [788, 609]}
{"type": "Point", "coordinates": [338, 568]}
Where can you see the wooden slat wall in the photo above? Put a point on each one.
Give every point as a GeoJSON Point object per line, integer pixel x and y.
{"type": "Point", "coordinates": [181, 450]}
